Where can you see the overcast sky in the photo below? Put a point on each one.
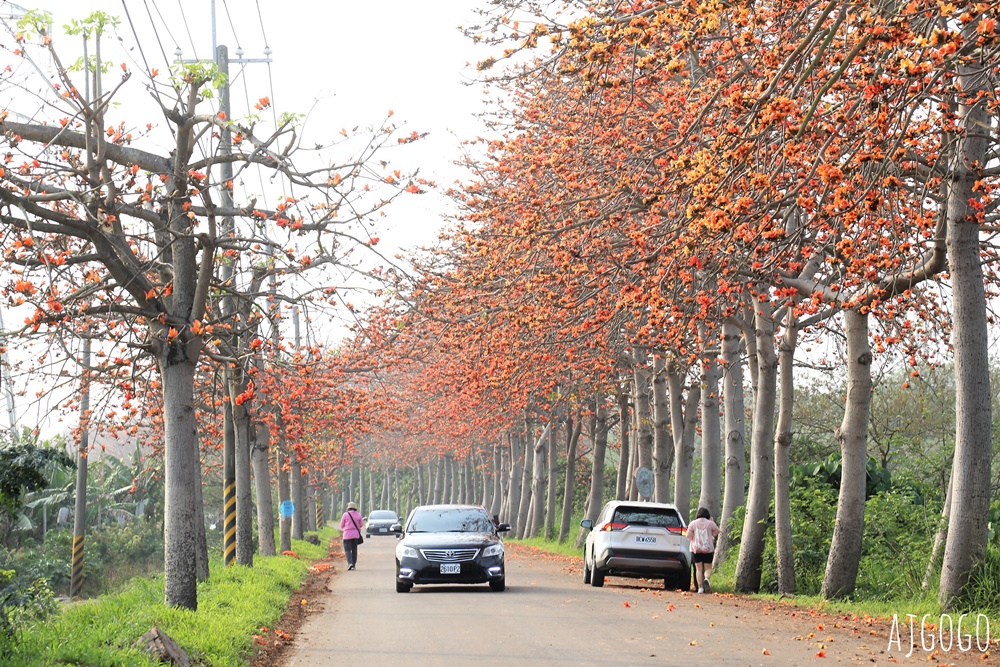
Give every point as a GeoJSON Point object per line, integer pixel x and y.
{"type": "Point", "coordinates": [346, 63]}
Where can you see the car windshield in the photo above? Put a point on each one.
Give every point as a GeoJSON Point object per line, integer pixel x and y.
{"type": "Point", "coordinates": [381, 515]}
{"type": "Point", "coordinates": [660, 517]}
{"type": "Point", "coordinates": [449, 520]}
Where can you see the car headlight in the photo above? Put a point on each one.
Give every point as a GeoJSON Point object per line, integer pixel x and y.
{"type": "Point", "coordinates": [406, 552]}
{"type": "Point", "coordinates": [493, 550]}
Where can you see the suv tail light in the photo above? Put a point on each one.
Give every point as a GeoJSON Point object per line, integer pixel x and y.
{"type": "Point", "coordinates": [614, 526]}
{"type": "Point", "coordinates": [676, 530]}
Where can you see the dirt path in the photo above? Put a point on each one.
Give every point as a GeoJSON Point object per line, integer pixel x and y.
{"type": "Point", "coordinates": [548, 616]}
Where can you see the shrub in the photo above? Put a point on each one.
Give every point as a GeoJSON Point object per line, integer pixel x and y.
{"type": "Point", "coordinates": [813, 505]}
{"type": "Point", "coordinates": [895, 524]}
{"type": "Point", "coordinates": [111, 557]}
{"type": "Point", "coordinates": [982, 593]}
{"type": "Point", "coordinates": [20, 603]}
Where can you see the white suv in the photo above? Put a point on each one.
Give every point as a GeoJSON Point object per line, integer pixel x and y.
{"type": "Point", "coordinates": [637, 539]}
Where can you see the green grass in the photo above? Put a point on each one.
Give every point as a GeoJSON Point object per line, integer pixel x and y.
{"type": "Point", "coordinates": [233, 605]}
{"type": "Point", "coordinates": [565, 549]}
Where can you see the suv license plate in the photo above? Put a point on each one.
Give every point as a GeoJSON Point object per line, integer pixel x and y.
{"type": "Point", "coordinates": [645, 539]}
{"type": "Point", "coordinates": [451, 568]}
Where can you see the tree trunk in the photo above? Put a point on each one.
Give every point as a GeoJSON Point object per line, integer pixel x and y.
{"type": "Point", "coordinates": [354, 488]}
{"type": "Point", "coordinates": [285, 491]}
{"type": "Point", "coordinates": [845, 548]}
{"type": "Point", "coordinates": [497, 481]}
{"type": "Point", "coordinates": [539, 478]}
{"type": "Point", "coordinates": [262, 486]}
{"type": "Point", "coordinates": [782, 450]}
{"type": "Point", "coordinates": [734, 410]}
{"type": "Point", "coordinates": [711, 436]}
{"type": "Point", "coordinates": [524, 508]}
{"type": "Point", "coordinates": [573, 429]}
{"type": "Point", "coordinates": [934, 564]}
{"type": "Point", "coordinates": [486, 479]}
{"type": "Point", "coordinates": [553, 470]}
{"type": "Point", "coordinates": [683, 420]}
{"type": "Point", "coordinates": [663, 441]}
{"type": "Point", "coordinates": [450, 482]}
{"type": "Point", "coordinates": [418, 483]}
{"type": "Point", "coordinates": [748, 566]}
{"type": "Point", "coordinates": [970, 498]}
{"type": "Point", "coordinates": [624, 426]}
{"type": "Point", "coordinates": [643, 416]}
{"type": "Point", "coordinates": [201, 539]}
{"type": "Point", "coordinates": [599, 437]}
{"type": "Point", "coordinates": [180, 455]}
{"type": "Point", "coordinates": [516, 473]}
{"type": "Point", "coordinates": [295, 477]}
{"type": "Point", "coordinates": [439, 479]}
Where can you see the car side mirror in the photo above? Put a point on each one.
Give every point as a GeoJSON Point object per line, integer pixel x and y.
{"type": "Point", "coordinates": [503, 527]}
{"type": "Point", "coordinates": [587, 523]}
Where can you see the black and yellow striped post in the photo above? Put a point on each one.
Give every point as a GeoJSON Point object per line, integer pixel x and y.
{"type": "Point", "coordinates": [318, 502]}
{"type": "Point", "coordinates": [229, 522]}
{"type": "Point", "coordinates": [76, 576]}
{"type": "Point", "coordinates": [229, 488]}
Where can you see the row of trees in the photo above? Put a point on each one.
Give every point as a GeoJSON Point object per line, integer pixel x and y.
{"type": "Point", "coordinates": [683, 196]}
{"type": "Point", "coordinates": [679, 198]}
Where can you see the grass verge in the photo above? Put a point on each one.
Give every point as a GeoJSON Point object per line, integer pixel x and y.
{"type": "Point", "coordinates": [233, 605]}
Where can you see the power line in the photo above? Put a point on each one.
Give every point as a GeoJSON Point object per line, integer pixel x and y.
{"type": "Point", "coordinates": [142, 51]}
{"type": "Point", "coordinates": [187, 28]}
{"type": "Point", "coordinates": [232, 27]}
{"type": "Point", "coordinates": [165, 25]}
{"type": "Point", "coordinates": [260, 19]}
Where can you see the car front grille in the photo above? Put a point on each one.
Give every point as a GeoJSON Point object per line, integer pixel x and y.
{"type": "Point", "coordinates": [449, 555]}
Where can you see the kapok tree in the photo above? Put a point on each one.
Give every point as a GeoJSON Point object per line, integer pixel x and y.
{"type": "Point", "coordinates": [132, 238]}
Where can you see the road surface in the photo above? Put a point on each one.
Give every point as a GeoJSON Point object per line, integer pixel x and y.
{"type": "Point", "coordinates": [547, 616]}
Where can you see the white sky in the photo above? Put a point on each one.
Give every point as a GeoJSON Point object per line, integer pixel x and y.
{"type": "Point", "coordinates": [348, 63]}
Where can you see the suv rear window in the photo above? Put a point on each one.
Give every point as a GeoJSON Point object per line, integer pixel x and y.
{"type": "Point", "coordinates": [646, 516]}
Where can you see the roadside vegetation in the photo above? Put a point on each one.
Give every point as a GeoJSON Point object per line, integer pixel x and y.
{"type": "Point", "coordinates": [748, 249]}
{"type": "Point", "coordinates": [236, 604]}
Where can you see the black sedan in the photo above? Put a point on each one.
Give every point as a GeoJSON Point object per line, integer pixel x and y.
{"type": "Point", "coordinates": [380, 522]}
{"type": "Point", "coordinates": [450, 544]}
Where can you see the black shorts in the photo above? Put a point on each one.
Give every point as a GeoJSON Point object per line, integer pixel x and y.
{"type": "Point", "coordinates": [703, 558]}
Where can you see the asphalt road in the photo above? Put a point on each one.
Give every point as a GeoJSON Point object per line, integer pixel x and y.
{"type": "Point", "coordinates": [547, 616]}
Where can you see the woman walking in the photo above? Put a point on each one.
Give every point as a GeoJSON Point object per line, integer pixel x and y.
{"type": "Point", "coordinates": [350, 529]}
{"type": "Point", "coordinates": [702, 533]}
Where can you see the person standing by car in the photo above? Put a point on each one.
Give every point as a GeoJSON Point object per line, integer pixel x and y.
{"type": "Point", "coordinates": [702, 533]}
{"type": "Point", "coordinates": [350, 529]}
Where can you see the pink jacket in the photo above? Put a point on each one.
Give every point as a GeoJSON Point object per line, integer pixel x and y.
{"type": "Point", "coordinates": [347, 529]}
